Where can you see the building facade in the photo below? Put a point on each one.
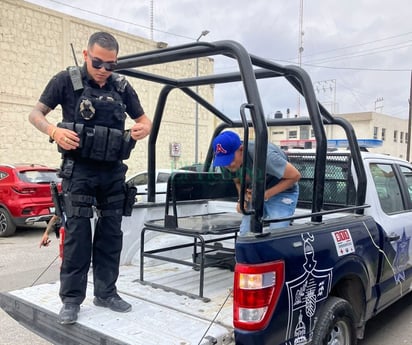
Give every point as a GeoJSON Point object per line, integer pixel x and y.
{"type": "Point", "coordinates": [35, 44]}
{"type": "Point", "coordinates": [391, 132]}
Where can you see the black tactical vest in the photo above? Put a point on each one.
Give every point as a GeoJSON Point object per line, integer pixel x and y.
{"type": "Point", "coordinates": [99, 122]}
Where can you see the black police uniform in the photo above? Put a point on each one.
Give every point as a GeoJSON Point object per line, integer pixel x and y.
{"type": "Point", "coordinates": [93, 174]}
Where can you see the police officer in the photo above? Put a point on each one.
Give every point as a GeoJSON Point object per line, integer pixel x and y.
{"type": "Point", "coordinates": [93, 143]}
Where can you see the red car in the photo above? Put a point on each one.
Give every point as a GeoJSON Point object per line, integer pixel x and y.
{"type": "Point", "coordinates": [25, 196]}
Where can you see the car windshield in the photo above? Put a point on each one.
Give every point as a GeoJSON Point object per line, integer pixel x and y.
{"type": "Point", "coordinates": [35, 176]}
{"type": "Point", "coordinates": [138, 180]}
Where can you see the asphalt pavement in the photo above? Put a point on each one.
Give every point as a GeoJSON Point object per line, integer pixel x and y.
{"type": "Point", "coordinates": [22, 264]}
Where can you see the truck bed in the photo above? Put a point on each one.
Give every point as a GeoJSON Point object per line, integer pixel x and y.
{"type": "Point", "coordinates": [156, 318]}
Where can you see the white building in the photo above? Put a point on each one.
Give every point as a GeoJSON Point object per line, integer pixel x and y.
{"type": "Point", "coordinates": [391, 131]}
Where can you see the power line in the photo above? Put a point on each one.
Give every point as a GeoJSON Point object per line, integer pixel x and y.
{"type": "Point", "coordinates": [360, 44]}
{"type": "Point", "coordinates": [361, 68]}
{"type": "Point", "coordinates": [364, 52]}
{"type": "Point", "coordinates": [273, 59]}
{"type": "Point", "coordinates": [232, 67]}
{"type": "Point", "coordinates": [120, 20]}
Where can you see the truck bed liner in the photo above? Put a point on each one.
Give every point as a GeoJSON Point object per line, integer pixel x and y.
{"type": "Point", "coordinates": [156, 318]}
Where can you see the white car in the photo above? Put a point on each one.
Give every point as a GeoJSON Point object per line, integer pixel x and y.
{"type": "Point", "coordinates": [140, 181]}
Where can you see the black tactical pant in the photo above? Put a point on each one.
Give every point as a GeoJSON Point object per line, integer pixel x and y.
{"type": "Point", "coordinates": [102, 185]}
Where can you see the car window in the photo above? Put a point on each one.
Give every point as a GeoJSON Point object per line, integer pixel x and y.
{"type": "Point", "coordinates": [407, 175]}
{"type": "Point", "coordinates": [33, 176]}
{"type": "Point", "coordinates": [387, 187]}
{"type": "Point", "coordinates": [3, 175]}
{"type": "Point", "coordinates": [139, 180]}
{"type": "Point", "coordinates": [162, 177]}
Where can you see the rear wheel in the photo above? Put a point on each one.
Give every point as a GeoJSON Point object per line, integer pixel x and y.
{"type": "Point", "coordinates": [336, 324]}
{"type": "Point", "coordinates": [7, 226]}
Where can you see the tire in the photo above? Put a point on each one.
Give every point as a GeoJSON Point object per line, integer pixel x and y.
{"type": "Point", "coordinates": [7, 226]}
{"type": "Point", "coordinates": [335, 324]}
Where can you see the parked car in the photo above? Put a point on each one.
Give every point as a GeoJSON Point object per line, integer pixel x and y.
{"type": "Point", "coordinates": [198, 167]}
{"type": "Point", "coordinates": [140, 181]}
{"type": "Point", "coordinates": [25, 196]}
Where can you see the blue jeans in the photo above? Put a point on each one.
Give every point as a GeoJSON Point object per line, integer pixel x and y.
{"type": "Point", "coordinates": [278, 206]}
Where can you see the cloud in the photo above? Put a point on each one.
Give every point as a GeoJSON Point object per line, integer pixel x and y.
{"type": "Point", "coordinates": [364, 45]}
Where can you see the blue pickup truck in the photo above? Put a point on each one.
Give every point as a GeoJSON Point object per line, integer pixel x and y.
{"type": "Point", "coordinates": [191, 280]}
{"type": "Point", "coordinates": [329, 276]}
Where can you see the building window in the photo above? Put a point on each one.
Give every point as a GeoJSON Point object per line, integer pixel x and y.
{"type": "Point", "coordinates": [304, 132]}
{"type": "Point", "coordinates": [375, 132]}
{"type": "Point", "coordinates": [401, 138]}
{"type": "Point", "coordinates": [395, 136]}
{"type": "Point", "coordinates": [312, 133]}
{"type": "Point", "coordinates": [293, 134]}
{"type": "Point", "coordinates": [383, 134]}
{"type": "Point", "coordinates": [406, 137]}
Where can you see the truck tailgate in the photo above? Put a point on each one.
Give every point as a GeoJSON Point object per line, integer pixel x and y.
{"type": "Point", "coordinates": [157, 316]}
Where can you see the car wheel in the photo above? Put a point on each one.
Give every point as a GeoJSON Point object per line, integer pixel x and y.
{"type": "Point", "coordinates": [7, 226]}
{"type": "Point", "coordinates": [335, 324]}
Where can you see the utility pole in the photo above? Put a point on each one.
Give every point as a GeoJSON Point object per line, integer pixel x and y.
{"type": "Point", "coordinates": [408, 148]}
{"type": "Point", "coordinates": [203, 33]}
{"type": "Point", "coordinates": [300, 49]}
{"type": "Point", "coordinates": [379, 101]}
{"type": "Point", "coordinates": [328, 96]}
{"type": "Point", "coordinates": [151, 19]}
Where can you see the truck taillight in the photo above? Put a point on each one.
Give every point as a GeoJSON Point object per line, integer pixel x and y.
{"type": "Point", "coordinates": [256, 292]}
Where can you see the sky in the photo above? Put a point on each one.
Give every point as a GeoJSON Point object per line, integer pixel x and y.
{"type": "Point", "coordinates": [358, 53]}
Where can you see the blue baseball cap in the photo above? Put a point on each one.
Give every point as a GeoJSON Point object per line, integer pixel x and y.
{"type": "Point", "coordinates": [224, 147]}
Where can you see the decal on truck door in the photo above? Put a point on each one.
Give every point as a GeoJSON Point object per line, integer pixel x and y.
{"type": "Point", "coordinates": [401, 258]}
{"type": "Point", "coordinates": [343, 242]}
{"type": "Point", "coordinates": [304, 293]}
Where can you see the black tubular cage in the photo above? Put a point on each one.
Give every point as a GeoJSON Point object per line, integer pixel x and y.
{"type": "Point", "coordinates": [250, 68]}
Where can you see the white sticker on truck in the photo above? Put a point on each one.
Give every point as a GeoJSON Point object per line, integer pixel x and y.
{"type": "Point", "coordinates": [343, 242]}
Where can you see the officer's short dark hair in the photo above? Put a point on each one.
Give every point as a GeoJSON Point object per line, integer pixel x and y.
{"type": "Point", "coordinates": [104, 40]}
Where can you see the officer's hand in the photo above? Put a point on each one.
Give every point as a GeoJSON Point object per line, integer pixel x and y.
{"type": "Point", "coordinates": [66, 138]}
{"type": "Point", "coordinates": [140, 130]}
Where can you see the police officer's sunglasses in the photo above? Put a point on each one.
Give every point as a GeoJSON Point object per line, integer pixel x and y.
{"type": "Point", "coordinates": [98, 64]}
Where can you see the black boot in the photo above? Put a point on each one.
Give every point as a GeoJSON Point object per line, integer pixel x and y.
{"type": "Point", "coordinates": [68, 313]}
{"type": "Point", "coordinates": [114, 303]}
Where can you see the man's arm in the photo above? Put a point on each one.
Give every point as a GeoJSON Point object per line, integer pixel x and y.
{"type": "Point", "coordinates": [289, 178]}
{"type": "Point", "coordinates": [37, 118]}
{"type": "Point", "coordinates": [65, 138]}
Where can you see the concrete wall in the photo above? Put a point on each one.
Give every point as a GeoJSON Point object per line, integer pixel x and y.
{"type": "Point", "coordinates": [35, 45]}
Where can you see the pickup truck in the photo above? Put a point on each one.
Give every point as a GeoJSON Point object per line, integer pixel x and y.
{"type": "Point", "coordinates": [191, 279]}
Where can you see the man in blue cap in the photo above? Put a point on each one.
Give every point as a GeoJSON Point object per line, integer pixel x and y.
{"type": "Point", "coordinates": [282, 177]}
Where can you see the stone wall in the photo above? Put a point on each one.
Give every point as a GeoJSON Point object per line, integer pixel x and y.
{"type": "Point", "coordinates": [35, 45]}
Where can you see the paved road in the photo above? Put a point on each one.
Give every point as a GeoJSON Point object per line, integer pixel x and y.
{"type": "Point", "coordinates": [22, 262]}
{"type": "Point", "coordinates": [393, 326]}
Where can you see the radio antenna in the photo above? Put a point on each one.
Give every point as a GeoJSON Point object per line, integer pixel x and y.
{"type": "Point", "coordinates": [74, 55]}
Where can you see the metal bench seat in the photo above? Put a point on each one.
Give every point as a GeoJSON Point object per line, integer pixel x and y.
{"type": "Point", "coordinates": [205, 232]}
